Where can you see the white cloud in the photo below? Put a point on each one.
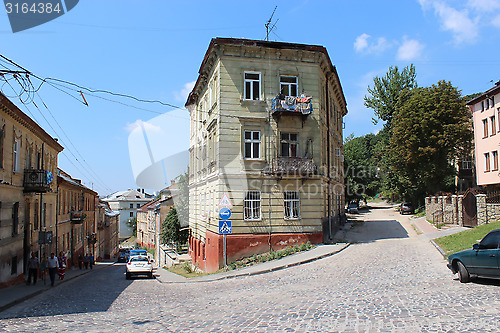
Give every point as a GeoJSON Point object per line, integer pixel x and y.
{"type": "Point", "coordinates": [496, 21]}
{"type": "Point", "coordinates": [483, 5]}
{"type": "Point", "coordinates": [182, 95]}
{"type": "Point", "coordinates": [130, 127]}
{"type": "Point", "coordinates": [463, 28]}
{"type": "Point", "coordinates": [362, 44]}
{"type": "Point", "coordinates": [411, 49]}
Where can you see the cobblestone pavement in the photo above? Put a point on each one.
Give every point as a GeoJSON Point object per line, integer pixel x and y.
{"type": "Point", "coordinates": [390, 280]}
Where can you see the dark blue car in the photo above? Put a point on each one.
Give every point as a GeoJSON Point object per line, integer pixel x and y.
{"type": "Point", "coordinates": [483, 260]}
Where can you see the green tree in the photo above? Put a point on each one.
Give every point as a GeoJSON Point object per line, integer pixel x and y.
{"type": "Point", "coordinates": [171, 229]}
{"type": "Point", "coordinates": [387, 93]}
{"type": "Point", "coordinates": [431, 131]}
{"type": "Point", "coordinates": [132, 223]}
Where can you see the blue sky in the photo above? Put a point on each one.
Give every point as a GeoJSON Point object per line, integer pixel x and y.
{"type": "Point", "coordinates": [153, 50]}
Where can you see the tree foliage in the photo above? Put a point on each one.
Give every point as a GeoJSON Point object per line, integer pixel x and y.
{"type": "Point", "coordinates": [387, 93]}
{"type": "Point", "coordinates": [171, 229]}
{"type": "Point", "coordinates": [132, 223]}
{"type": "Point", "coordinates": [431, 130]}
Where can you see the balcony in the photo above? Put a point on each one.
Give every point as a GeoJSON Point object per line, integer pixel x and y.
{"type": "Point", "coordinates": [77, 217]}
{"type": "Point", "coordinates": [296, 166]}
{"type": "Point", "coordinates": [289, 105]}
{"type": "Point", "coordinates": [37, 180]}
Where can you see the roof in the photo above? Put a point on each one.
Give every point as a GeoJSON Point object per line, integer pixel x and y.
{"type": "Point", "coordinates": [75, 182]}
{"type": "Point", "coordinates": [486, 94]}
{"type": "Point", "coordinates": [264, 44]}
{"type": "Point", "coordinates": [21, 117]}
{"type": "Point", "coordinates": [128, 195]}
{"type": "Point", "coordinates": [151, 204]}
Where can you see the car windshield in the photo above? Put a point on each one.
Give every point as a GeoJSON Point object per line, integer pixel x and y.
{"type": "Point", "coordinates": [139, 259]}
{"type": "Point", "coordinates": [138, 252]}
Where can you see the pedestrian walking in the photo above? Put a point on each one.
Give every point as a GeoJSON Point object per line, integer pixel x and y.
{"type": "Point", "coordinates": [33, 266]}
{"type": "Point", "coordinates": [91, 261]}
{"type": "Point", "coordinates": [86, 261]}
{"type": "Point", "coordinates": [52, 264]}
{"type": "Point", "coordinates": [62, 265]}
{"type": "Point", "coordinates": [80, 261]}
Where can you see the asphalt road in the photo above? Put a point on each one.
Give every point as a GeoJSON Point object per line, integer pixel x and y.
{"type": "Point", "coordinates": [390, 279]}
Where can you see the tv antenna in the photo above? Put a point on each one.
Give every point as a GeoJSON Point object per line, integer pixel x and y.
{"type": "Point", "coordinates": [268, 24]}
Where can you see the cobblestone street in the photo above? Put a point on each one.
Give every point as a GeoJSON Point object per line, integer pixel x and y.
{"type": "Point", "coordinates": [389, 279]}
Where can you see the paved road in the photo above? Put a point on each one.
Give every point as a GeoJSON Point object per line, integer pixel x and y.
{"type": "Point", "coordinates": [389, 280]}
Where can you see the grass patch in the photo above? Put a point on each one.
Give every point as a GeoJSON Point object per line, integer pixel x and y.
{"type": "Point", "coordinates": [259, 258]}
{"type": "Point", "coordinates": [465, 239]}
{"type": "Point", "coordinates": [419, 212]}
{"type": "Point", "coordinates": [185, 270]}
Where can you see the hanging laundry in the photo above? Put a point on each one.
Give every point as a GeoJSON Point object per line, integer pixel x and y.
{"type": "Point", "coordinates": [290, 100]}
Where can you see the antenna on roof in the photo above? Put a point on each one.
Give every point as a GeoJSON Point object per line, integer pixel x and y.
{"type": "Point", "coordinates": [268, 23]}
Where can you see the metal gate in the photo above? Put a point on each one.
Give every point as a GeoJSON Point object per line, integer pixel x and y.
{"type": "Point", "coordinates": [469, 209]}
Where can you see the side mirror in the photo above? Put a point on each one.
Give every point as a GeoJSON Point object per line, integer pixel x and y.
{"type": "Point", "coordinates": [475, 246]}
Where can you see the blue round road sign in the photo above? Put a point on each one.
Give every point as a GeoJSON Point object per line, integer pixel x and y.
{"type": "Point", "coordinates": [225, 213]}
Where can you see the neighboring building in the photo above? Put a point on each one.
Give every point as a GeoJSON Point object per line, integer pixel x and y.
{"type": "Point", "coordinates": [486, 121]}
{"type": "Point", "coordinates": [76, 222]}
{"type": "Point", "coordinates": [28, 163]}
{"type": "Point", "coordinates": [266, 129]}
{"type": "Point", "coordinates": [148, 220]}
{"type": "Point", "coordinates": [127, 202]}
{"type": "Point", "coordinates": [107, 231]}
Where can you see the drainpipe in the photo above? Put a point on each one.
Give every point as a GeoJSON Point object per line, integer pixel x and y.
{"type": "Point", "coordinates": [328, 159]}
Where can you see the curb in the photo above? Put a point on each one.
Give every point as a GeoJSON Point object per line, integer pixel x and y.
{"type": "Point", "coordinates": [22, 299]}
{"type": "Point", "coordinates": [438, 248]}
{"type": "Point", "coordinates": [273, 269]}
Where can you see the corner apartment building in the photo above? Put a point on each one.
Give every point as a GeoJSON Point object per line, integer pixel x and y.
{"type": "Point", "coordinates": [485, 110]}
{"type": "Point", "coordinates": [28, 186]}
{"type": "Point", "coordinates": [266, 132]}
{"type": "Point", "coordinates": [126, 203]}
{"type": "Point", "coordinates": [76, 224]}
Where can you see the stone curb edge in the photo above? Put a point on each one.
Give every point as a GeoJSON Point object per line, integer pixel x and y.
{"type": "Point", "coordinates": [438, 248]}
{"type": "Point", "coordinates": [263, 271]}
{"type": "Point", "coordinates": [22, 299]}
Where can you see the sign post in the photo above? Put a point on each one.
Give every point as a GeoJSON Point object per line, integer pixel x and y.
{"type": "Point", "coordinates": [225, 227]}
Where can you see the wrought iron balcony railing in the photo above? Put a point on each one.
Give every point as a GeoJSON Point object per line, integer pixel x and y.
{"type": "Point", "coordinates": [295, 166]}
{"type": "Point", "coordinates": [36, 180]}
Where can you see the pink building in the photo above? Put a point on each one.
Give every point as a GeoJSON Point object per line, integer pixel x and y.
{"type": "Point", "coordinates": [486, 121]}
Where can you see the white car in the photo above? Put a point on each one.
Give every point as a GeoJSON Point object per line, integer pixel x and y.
{"type": "Point", "coordinates": [139, 265]}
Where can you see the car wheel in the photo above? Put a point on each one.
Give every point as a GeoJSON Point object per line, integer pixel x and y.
{"type": "Point", "coordinates": [463, 273]}
{"type": "Point", "coordinates": [127, 276]}
{"type": "Point", "coordinates": [150, 275]}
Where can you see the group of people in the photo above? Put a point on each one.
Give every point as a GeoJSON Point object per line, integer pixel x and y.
{"type": "Point", "coordinates": [54, 265]}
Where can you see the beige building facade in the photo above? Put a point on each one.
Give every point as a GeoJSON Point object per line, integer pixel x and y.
{"type": "Point", "coordinates": [266, 142]}
{"type": "Point", "coordinates": [28, 191]}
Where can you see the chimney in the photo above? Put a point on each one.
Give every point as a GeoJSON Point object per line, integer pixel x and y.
{"type": "Point", "coordinates": [172, 182]}
{"type": "Point", "coordinates": [497, 83]}
{"type": "Point", "coordinates": [142, 191]}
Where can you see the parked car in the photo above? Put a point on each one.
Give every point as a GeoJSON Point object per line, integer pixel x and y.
{"type": "Point", "coordinates": [483, 260]}
{"type": "Point", "coordinates": [407, 207]}
{"type": "Point", "coordinates": [139, 265]}
{"type": "Point", "coordinates": [352, 208]}
{"type": "Point", "coordinates": [123, 255]}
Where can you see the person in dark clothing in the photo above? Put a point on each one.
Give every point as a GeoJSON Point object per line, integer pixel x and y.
{"type": "Point", "coordinates": [86, 261]}
{"type": "Point", "coordinates": [80, 261]}
{"type": "Point", "coordinates": [33, 266]}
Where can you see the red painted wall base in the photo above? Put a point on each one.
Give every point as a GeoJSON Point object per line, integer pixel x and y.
{"type": "Point", "coordinates": [209, 256]}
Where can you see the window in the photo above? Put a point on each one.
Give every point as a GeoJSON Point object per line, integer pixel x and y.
{"type": "Point", "coordinates": [487, 103]}
{"type": "Point", "coordinates": [289, 143]}
{"type": "Point", "coordinates": [15, 219]}
{"type": "Point", "coordinates": [131, 214]}
{"type": "Point", "coordinates": [495, 160]}
{"type": "Point", "coordinates": [252, 85]}
{"type": "Point", "coordinates": [491, 241]}
{"type": "Point", "coordinates": [291, 204]}
{"type": "Point", "coordinates": [131, 206]}
{"type": "Point", "coordinates": [288, 85]}
{"type": "Point", "coordinates": [2, 134]}
{"type": "Point", "coordinates": [493, 125]}
{"type": "Point", "coordinates": [252, 144]}
{"type": "Point", "coordinates": [16, 157]}
{"type": "Point", "coordinates": [485, 128]}
{"type": "Point", "coordinates": [482, 106]}
{"type": "Point", "coordinates": [138, 205]}
{"type": "Point", "coordinates": [252, 205]}
{"type": "Point", "coordinates": [492, 101]}
{"type": "Point", "coordinates": [487, 162]}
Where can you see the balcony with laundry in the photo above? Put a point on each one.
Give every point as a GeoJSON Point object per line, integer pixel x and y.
{"type": "Point", "coordinates": [291, 105]}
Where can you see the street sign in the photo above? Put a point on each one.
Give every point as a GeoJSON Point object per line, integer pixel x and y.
{"type": "Point", "coordinates": [225, 227]}
{"type": "Point", "coordinates": [225, 213]}
{"type": "Point", "coordinates": [225, 201]}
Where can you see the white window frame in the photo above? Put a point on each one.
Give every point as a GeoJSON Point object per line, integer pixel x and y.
{"type": "Point", "coordinates": [290, 142]}
{"type": "Point", "coordinates": [252, 142]}
{"type": "Point", "coordinates": [16, 150]}
{"type": "Point", "coordinates": [251, 205]}
{"type": "Point", "coordinates": [291, 205]}
{"type": "Point", "coordinates": [487, 162]}
{"type": "Point", "coordinates": [251, 81]}
{"type": "Point", "coordinates": [290, 85]}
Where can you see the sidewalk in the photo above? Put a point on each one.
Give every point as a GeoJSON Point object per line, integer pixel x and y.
{"type": "Point", "coordinates": [321, 251]}
{"type": "Point", "coordinates": [16, 294]}
{"type": "Point", "coordinates": [429, 231]}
